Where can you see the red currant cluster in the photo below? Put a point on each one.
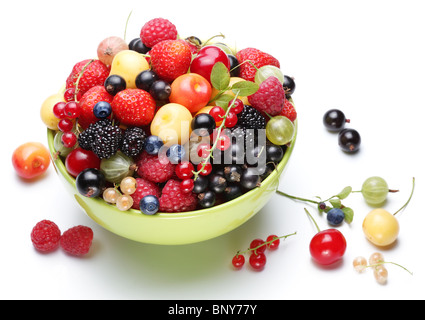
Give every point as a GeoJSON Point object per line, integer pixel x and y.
{"type": "Point", "coordinates": [257, 248]}
{"type": "Point", "coordinates": [67, 111]}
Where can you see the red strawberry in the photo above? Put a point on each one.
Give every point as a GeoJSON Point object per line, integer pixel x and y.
{"type": "Point", "coordinates": [256, 57]}
{"type": "Point", "coordinates": [157, 30]}
{"type": "Point", "coordinates": [144, 188]}
{"type": "Point", "coordinates": [170, 59]}
{"type": "Point", "coordinates": [77, 240]}
{"type": "Point", "coordinates": [289, 111]}
{"type": "Point", "coordinates": [269, 97]}
{"type": "Point", "coordinates": [155, 168]}
{"type": "Point", "coordinates": [87, 103]}
{"type": "Point", "coordinates": [133, 107]}
{"type": "Point", "coordinates": [173, 199]}
{"type": "Point", "coordinates": [95, 74]}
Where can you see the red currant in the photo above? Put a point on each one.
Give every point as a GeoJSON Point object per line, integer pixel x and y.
{"type": "Point", "coordinates": [69, 139]}
{"type": "Point", "coordinates": [238, 261]}
{"type": "Point", "coordinates": [65, 125]}
{"type": "Point", "coordinates": [224, 142]}
{"type": "Point", "coordinates": [207, 169]}
{"type": "Point", "coordinates": [218, 114]}
{"type": "Point", "coordinates": [257, 261]}
{"type": "Point", "coordinates": [59, 110]}
{"type": "Point", "coordinates": [237, 106]}
{"type": "Point", "coordinates": [328, 246]}
{"type": "Point", "coordinates": [203, 150]}
{"type": "Point", "coordinates": [187, 185]}
{"type": "Point", "coordinates": [72, 110]}
{"type": "Point", "coordinates": [69, 95]}
{"type": "Point", "coordinates": [257, 243]}
{"type": "Point", "coordinates": [273, 242]}
{"type": "Point", "coordinates": [231, 120]}
{"type": "Point", "coordinates": [184, 170]}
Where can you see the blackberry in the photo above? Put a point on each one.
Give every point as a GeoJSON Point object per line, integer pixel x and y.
{"type": "Point", "coordinates": [107, 139]}
{"type": "Point", "coordinates": [86, 138]}
{"type": "Point", "coordinates": [250, 120]}
{"type": "Point", "coordinates": [133, 141]}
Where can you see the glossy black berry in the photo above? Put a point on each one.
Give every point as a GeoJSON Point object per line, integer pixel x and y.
{"type": "Point", "coordinates": [288, 85]}
{"type": "Point", "coordinates": [217, 183]}
{"type": "Point", "coordinates": [160, 90]}
{"type": "Point", "coordinates": [232, 191]}
{"type": "Point", "coordinates": [234, 66]}
{"type": "Point", "coordinates": [207, 199]}
{"type": "Point", "coordinates": [90, 182]}
{"type": "Point", "coordinates": [334, 120]}
{"type": "Point", "coordinates": [114, 84]}
{"type": "Point", "coordinates": [250, 178]}
{"type": "Point", "coordinates": [145, 79]}
{"type": "Point", "coordinates": [274, 153]}
{"type": "Point", "coordinates": [233, 172]}
{"type": "Point", "coordinates": [200, 184]}
{"type": "Point", "coordinates": [203, 124]}
{"type": "Point", "coordinates": [138, 46]}
{"type": "Point", "coordinates": [349, 140]}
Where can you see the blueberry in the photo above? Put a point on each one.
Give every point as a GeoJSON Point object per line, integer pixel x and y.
{"type": "Point", "coordinates": [153, 144]}
{"type": "Point", "coordinates": [175, 153]}
{"type": "Point", "coordinates": [102, 110]}
{"type": "Point", "coordinates": [335, 216]}
{"type": "Point", "coordinates": [149, 205]}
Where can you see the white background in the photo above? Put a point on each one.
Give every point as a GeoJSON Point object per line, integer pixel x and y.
{"type": "Point", "coordinates": [364, 57]}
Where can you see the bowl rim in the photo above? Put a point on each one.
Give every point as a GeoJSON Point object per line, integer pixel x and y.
{"type": "Point", "coordinates": [60, 166]}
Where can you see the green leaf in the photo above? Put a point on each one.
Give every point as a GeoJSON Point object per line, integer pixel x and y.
{"type": "Point", "coordinates": [344, 193]}
{"type": "Point", "coordinates": [220, 76]}
{"type": "Point", "coordinates": [336, 203]}
{"type": "Point", "coordinates": [245, 88]}
{"type": "Point", "coordinates": [223, 100]}
{"type": "Point", "coordinates": [348, 213]}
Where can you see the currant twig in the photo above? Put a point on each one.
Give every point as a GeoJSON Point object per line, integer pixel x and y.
{"type": "Point", "coordinates": [78, 79]}
{"type": "Point", "coordinates": [265, 243]}
{"type": "Point", "coordinates": [382, 262]}
{"type": "Point", "coordinates": [411, 194]}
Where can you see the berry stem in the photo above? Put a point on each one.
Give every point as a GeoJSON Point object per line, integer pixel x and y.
{"type": "Point", "coordinates": [126, 25]}
{"type": "Point", "coordinates": [78, 79]}
{"type": "Point", "coordinates": [411, 194]}
{"type": "Point", "coordinates": [211, 150]}
{"type": "Point", "coordinates": [382, 262]}
{"type": "Point", "coordinates": [213, 37]}
{"type": "Point", "coordinates": [297, 198]}
{"type": "Point", "coordinates": [314, 221]}
{"type": "Point", "coordinates": [265, 243]}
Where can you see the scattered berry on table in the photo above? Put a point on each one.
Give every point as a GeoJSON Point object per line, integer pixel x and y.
{"type": "Point", "coordinates": [45, 236]}
{"type": "Point", "coordinates": [77, 240]}
{"type": "Point", "coordinates": [334, 120]}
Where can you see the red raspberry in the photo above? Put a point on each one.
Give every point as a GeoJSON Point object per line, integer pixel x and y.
{"type": "Point", "coordinates": [256, 57]}
{"type": "Point", "coordinates": [269, 97]}
{"type": "Point", "coordinates": [95, 74]}
{"type": "Point", "coordinates": [144, 188]}
{"type": "Point", "coordinates": [173, 199]}
{"type": "Point", "coordinates": [289, 111]}
{"type": "Point", "coordinates": [87, 103]}
{"type": "Point", "coordinates": [155, 168]}
{"type": "Point", "coordinates": [77, 240]}
{"type": "Point", "coordinates": [45, 236]}
{"type": "Point", "coordinates": [157, 30]}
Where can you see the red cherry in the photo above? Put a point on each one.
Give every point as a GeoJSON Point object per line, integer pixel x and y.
{"type": "Point", "coordinates": [205, 60]}
{"type": "Point", "coordinates": [328, 246]}
{"type": "Point", "coordinates": [238, 261]}
{"type": "Point", "coordinates": [80, 159]}
{"type": "Point", "coordinates": [257, 261]}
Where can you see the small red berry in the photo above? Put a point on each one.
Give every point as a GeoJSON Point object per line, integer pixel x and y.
{"type": "Point", "coordinates": [218, 114]}
{"type": "Point", "coordinates": [207, 169]}
{"type": "Point", "coordinates": [45, 236]}
{"type": "Point", "coordinates": [257, 261]}
{"type": "Point", "coordinates": [238, 261]}
{"type": "Point", "coordinates": [187, 185]}
{"type": "Point", "coordinates": [257, 243]}
{"type": "Point", "coordinates": [224, 142]}
{"type": "Point", "coordinates": [77, 240]}
{"type": "Point", "coordinates": [184, 170]}
{"type": "Point", "coordinates": [65, 125]}
{"type": "Point", "coordinates": [231, 120]}
{"type": "Point", "coordinates": [274, 244]}
{"type": "Point", "coordinates": [72, 110]}
{"type": "Point", "coordinates": [59, 110]}
{"type": "Point", "coordinates": [69, 139]}
{"type": "Point", "coordinates": [237, 106]}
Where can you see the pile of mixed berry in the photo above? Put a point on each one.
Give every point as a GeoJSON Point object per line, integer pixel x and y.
{"type": "Point", "coordinates": [166, 124]}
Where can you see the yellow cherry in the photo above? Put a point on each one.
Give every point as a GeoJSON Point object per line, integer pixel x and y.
{"type": "Point", "coordinates": [128, 64]}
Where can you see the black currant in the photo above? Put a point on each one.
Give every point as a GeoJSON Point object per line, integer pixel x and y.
{"type": "Point", "coordinates": [217, 183]}
{"type": "Point", "coordinates": [349, 140]}
{"type": "Point", "coordinates": [334, 120]}
{"type": "Point", "coordinates": [90, 182]}
{"type": "Point", "coordinates": [138, 46]}
{"type": "Point", "coordinates": [234, 66]}
{"type": "Point", "coordinates": [207, 199]}
{"type": "Point", "coordinates": [114, 84]}
{"type": "Point", "coordinates": [274, 153]}
{"type": "Point", "coordinates": [233, 172]}
{"type": "Point", "coordinates": [200, 184]}
{"type": "Point", "coordinates": [232, 191]}
{"type": "Point", "coordinates": [203, 124]}
{"type": "Point", "coordinates": [160, 90]}
{"type": "Point", "coordinates": [250, 178]}
{"type": "Point", "coordinates": [145, 79]}
{"type": "Point", "coordinates": [288, 85]}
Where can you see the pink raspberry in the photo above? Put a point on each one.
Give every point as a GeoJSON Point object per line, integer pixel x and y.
{"type": "Point", "coordinates": [173, 199]}
{"type": "Point", "coordinates": [144, 188]}
{"type": "Point", "coordinates": [45, 236]}
{"type": "Point", "coordinates": [270, 97]}
{"type": "Point", "coordinates": [157, 30]}
{"type": "Point", "coordinates": [77, 240]}
{"type": "Point", "coordinates": [154, 168]}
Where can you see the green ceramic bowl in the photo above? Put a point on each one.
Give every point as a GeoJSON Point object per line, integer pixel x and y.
{"type": "Point", "coordinates": [174, 228]}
